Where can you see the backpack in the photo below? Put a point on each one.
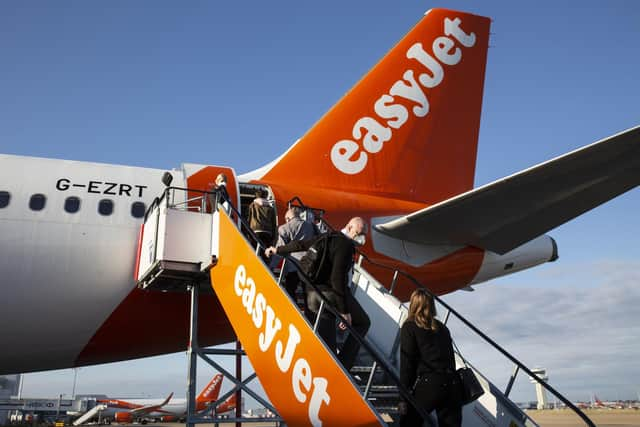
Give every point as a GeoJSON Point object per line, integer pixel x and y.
{"type": "Point", "coordinates": [312, 261]}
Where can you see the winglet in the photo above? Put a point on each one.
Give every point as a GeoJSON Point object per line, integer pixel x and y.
{"type": "Point", "coordinates": [150, 408]}
{"type": "Point", "coordinates": [166, 400]}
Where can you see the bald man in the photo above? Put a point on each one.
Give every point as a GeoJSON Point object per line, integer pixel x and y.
{"type": "Point", "coordinates": [333, 281]}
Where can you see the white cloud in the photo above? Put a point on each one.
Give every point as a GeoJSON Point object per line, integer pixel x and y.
{"type": "Point", "coordinates": [584, 334]}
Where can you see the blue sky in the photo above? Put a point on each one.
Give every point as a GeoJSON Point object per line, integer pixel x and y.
{"type": "Point", "coordinates": [160, 83]}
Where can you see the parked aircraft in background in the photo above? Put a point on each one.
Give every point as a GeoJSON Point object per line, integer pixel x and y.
{"type": "Point", "coordinates": [228, 405]}
{"type": "Point", "coordinates": [607, 404]}
{"type": "Point", "coordinates": [125, 411]}
{"type": "Point", "coordinates": [399, 149]}
{"type": "Point", "coordinates": [582, 405]}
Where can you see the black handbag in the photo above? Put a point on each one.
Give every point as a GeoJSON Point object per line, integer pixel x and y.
{"type": "Point", "coordinates": [471, 387]}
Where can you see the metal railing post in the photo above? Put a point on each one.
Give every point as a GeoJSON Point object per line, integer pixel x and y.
{"type": "Point", "coordinates": [370, 380]}
{"type": "Point", "coordinates": [193, 355]}
{"type": "Point", "coordinates": [281, 272]}
{"type": "Point", "coordinates": [516, 369]}
{"type": "Point", "coordinates": [446, 317]}
{"type": "Point", "coordinates": [393, 282]}
{"type": "Point", "coordinates": [317, 321]}
{"type": "Point", "coordinates": [238, 393]}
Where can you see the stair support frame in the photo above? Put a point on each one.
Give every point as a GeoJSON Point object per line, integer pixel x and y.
{"type": "Point", "coordinates": [194, 351]}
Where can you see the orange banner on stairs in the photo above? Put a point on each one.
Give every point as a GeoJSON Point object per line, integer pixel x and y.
{"type": "Point", "coordinates": [301, 377]}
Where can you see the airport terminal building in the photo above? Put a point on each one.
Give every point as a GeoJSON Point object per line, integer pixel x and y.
{"type": "Point", "coordinates": [9, 387]}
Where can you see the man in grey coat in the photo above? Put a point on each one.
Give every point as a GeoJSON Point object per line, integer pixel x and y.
{"type": "Point", "coordinates": [294, 228]}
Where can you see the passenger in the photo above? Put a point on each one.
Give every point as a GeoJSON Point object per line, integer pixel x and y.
{"type": "Point", "coordinates": [262, 219]}
{"type": "Point", "coordinates": [221, 186]}
{"type": "Point", "coordinates": [333, 281]}
{"type": "Point", "coordinates": [427, 364]}
{"type": "Point", "coordinates": [294, 228]}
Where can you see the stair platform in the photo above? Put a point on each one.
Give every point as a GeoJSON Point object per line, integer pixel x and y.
{"type": "Point", "coordinates": [175, 276]}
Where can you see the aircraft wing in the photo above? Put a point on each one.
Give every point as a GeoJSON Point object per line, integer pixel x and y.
{"type": "Point", "coordinates": [228, 404]}
{"type": "Point", "coordinates": [150, 408]}
{"type": "Point", "coordinates": [502, 215]}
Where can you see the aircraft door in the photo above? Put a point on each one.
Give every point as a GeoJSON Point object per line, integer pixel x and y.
{"type": "Point", "coordinates": [200, 177]}
{"type": "Point", "coordinates": [248, 194]}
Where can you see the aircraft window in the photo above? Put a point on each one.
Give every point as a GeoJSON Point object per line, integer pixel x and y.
{"type": "Point", "coordinates": [138, 209]}
{"type": "Point", "coordinates": [4, 199]}
{"type": "Point", "coordinates": [105, 207]}
{"type": "Point", "coordinates": [72, 204]}
{"type": "Point", "coordinates": [37, 202]}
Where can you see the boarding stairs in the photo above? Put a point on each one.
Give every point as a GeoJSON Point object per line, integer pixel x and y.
{"type": "Point", "coordinates": [387, 313]}
{"type": "Point", "coordinates": [305, 382]}
{"type": "Point", "coordinates": [93, 412]}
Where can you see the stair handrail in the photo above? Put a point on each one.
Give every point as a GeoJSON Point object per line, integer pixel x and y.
{"type": "Point", "coordinates": [389, 370]}
{"type": "Point", "coordinates": [495, 345]}
{"type": "Point", "coordinates": [167, 192]}
{"type": "Point", "coordinates": [374, 352]}
{"type": "Point", "coordinates": [491, 342]}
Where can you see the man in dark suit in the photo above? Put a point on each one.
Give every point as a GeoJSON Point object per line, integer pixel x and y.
{"type": "Point", "coordinates": [333, 282]}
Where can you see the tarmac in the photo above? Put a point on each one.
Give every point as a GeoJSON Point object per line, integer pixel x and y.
{"type": "Point", "coordinates": [546, 418]}
{"type": "Point", "coordinates": [600, 417]}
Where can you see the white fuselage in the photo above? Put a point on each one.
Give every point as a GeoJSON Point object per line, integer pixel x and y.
{"type": "Point", "coordinates": [69, 235]}
{"type": "Point", "coordinates": [54, 306]}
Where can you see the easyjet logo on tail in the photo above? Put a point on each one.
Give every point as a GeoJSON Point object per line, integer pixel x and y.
{"type": "Point", "coordinates": [350, 156]}
{"type": "Point", "coordinates": [212, 386]}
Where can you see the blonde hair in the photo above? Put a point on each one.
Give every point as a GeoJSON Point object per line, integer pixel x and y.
{"type": "Point", "coordinates": [422, 310]}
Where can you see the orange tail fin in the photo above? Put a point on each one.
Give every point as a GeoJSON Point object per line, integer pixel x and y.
{"type": "Point", "coordinates": [211, 392]}
{"type": "Point", "coordinates": [409, 128]}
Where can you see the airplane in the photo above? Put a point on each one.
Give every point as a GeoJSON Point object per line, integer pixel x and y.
{"type": "Point", "coordinates": [607, 405]}
{"type": "Point", "coordinates": [582, 405]}
{"type": "Point", "coordinates": [399, 149]}
{"type": "Point", "coordinates": [228, 405]}
{"type": "Point", "coordinates": [125, 411]}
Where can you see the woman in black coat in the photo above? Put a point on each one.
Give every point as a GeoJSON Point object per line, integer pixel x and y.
{"type": "Point", "coordinates": [427, 364]}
